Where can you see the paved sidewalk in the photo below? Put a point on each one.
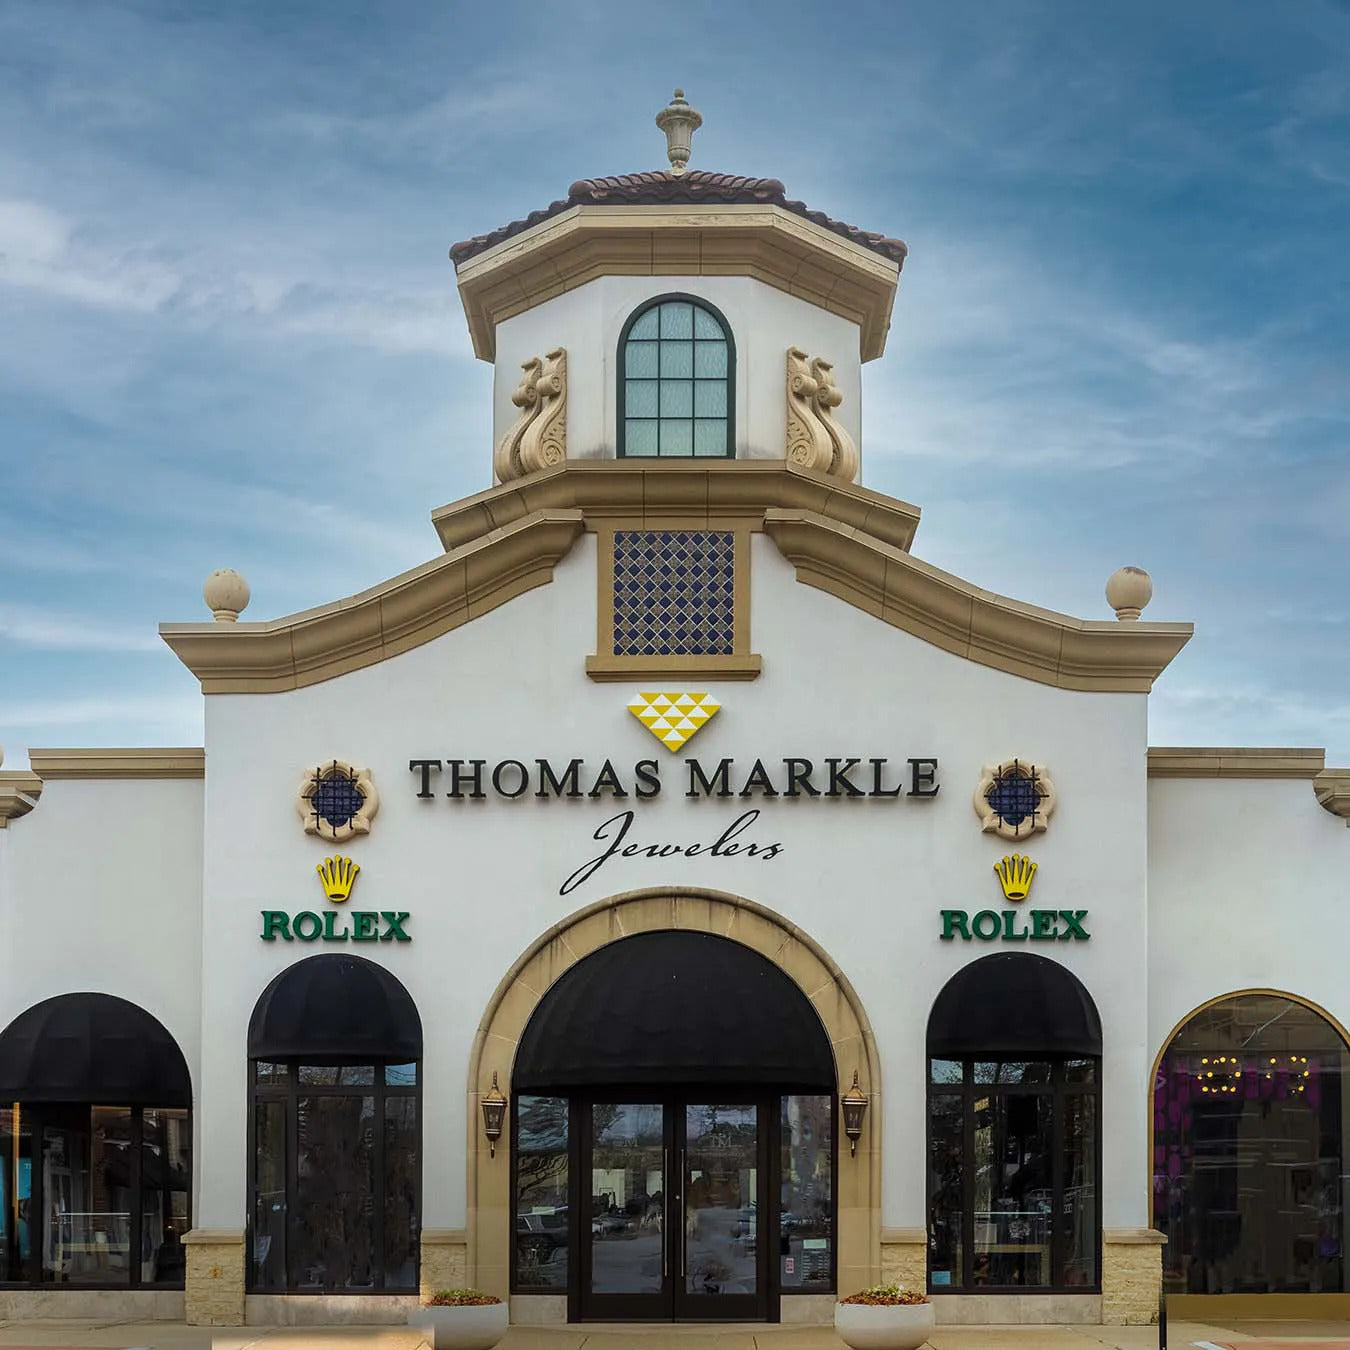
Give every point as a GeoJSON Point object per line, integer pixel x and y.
{"type": "Point", "coordinates": [83, 1335]}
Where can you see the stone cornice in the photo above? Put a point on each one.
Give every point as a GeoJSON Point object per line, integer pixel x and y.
{"type": "Point", "coordinates": [1038, 644]}
{"type": "Point", "coordinates": [19, 791]}
{"type": "Point", "coordinates": [1332, 787]}
{"type": "Point", "coordinates": [1211, 761]}
{"type": "Point", "coordinates": [691, 490]}
{"type": "Point", "coordinates": [135, 762]}
{"type": "Point", "coordinates": [394, 617]}
{"type": "Point", "coordinates": [766, 242]}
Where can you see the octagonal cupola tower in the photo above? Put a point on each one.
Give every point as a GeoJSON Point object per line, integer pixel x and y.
{"type": "Point", "coordinates": [677, 314]}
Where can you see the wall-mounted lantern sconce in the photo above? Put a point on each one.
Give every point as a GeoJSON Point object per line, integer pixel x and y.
{"type": "Point", "coordinates": [854, 1106]}
{"type": "Point", "coordinates": [494, 1114]}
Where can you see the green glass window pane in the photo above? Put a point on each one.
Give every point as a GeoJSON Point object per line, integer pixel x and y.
{"type": "Point", "coordinates": [646, 326]}
{"type": "Point", "coordinates": [677, 398]}
{"type": "Point", "coordinates": [944, 1070]}
{"type": "Point", "coordinates": [677, 438]}
{"type": "Point", "coordinates": [640, 360]}
{"type": "Point", "coordinates": [710, 360]}
{"type": "Point", "coordinates": [710, 398]}
{"type": "Point", "coordinates": [400, 1075]}
{"type": "Point", "coordinates": [677, 360]}
{"type": "Point", "coordinates": [677, 320]}
{"type": "Point", "coordinates": [710, 436]}
{"type": "Point", "coordinates": [705, 326]}
{"type": "Point", "coordinates": [639, 437]}
{"type": "Point", "coordinates": [640, 398]}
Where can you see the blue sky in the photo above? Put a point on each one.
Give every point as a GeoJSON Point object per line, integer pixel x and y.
{"type": "Point", "coordinates": [231, 337]}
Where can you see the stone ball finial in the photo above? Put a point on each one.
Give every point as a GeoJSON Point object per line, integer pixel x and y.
{"type": "Point", "coordinates": [226, 594]}
{"type": "Point", "coordinates": [1127, 592]}
{"type": "Point", "coordinates": [679, 121]}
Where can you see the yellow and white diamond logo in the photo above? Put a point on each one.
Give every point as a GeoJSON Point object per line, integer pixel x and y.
{"type": "Point", "coordinates": [673, 716]}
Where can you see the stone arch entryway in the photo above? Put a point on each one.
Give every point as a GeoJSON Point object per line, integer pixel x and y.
{"type": "Point", "coordinates": [491, 1222]}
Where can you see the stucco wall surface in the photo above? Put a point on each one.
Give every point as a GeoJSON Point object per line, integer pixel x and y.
{"type": "Point", "coordinates": [102, 893]}
{"type": "Point", "coordinates": [1247, 889]}
{"type": "Point", "coordinates": [764, 323]}
{"type": "Point", "coordinates": [865, 878]}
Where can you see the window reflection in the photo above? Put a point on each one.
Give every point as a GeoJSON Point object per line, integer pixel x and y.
{"type": "Point", "coordinates": [806, 1215]}
{"type": "Point", "coordinates": [336, 1178]}
{"type": "Point", "coordinates": [541, 1177]}
{"type": "Point", "coordinates": [1013, 1174]}
{"type": "Point", "coordinates": [94, 1195]}
{"type": "Point", "coordinates": [1248, 1136]}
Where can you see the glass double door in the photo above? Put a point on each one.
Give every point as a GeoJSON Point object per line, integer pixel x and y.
{"type": "Point", "coordinates": [677, 1188]}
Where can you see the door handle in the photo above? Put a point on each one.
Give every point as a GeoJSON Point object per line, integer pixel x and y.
{"type": "Point", "coordinates": [665, 1222]}
{"type": "Point", "coordinates": [684, 1216]}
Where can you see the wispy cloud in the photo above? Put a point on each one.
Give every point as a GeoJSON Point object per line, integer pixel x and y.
{"type": "Point", "coordinates": [44, 251]}
{"type": "Point", "coordinates": [55, 631]}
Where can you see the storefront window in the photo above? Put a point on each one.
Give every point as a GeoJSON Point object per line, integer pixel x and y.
{"type": "Point", "coordinates": [1248, 1150]}
{"type": "Point", "coordinates": [541, 1192]}
{"type": "Point", "coordinates": [336, 1177]}
{"type": "Point", "coordinates": [1013, 1174]}
{"type": "Point", "coordinates": [104, 1201]}
{"type": "Point", "coordinates": [806, 1213]}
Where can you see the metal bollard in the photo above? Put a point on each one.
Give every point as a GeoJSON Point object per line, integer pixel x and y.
{"type": "Point", "coordinates": [1162, 1322]}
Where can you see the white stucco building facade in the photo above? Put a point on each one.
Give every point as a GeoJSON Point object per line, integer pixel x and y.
{"type": "Point", "coordinates": [682, 958]}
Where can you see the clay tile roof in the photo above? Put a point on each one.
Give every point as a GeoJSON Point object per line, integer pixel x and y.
{"type": "Point", "coordinates": [663, 188]}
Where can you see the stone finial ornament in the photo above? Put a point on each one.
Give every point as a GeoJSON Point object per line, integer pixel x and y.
{"type": "Point", "coordinates": [815, 439]}
{"type": "Point", "coordinates": [679, 121]}
{"type": "Point", "coordinates": [1127, 592]}
{"type": "Point", "coordinates": [226, 594]}
{"type": "Point", "coordinates": [537, 439]}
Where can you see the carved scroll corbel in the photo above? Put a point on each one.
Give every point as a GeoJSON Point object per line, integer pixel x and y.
{"type": "Point", "coordinates": [814, 438]}
{"type": "Point", "coordinates": [808, 442]}
{"type": "Point", "coordinates": [544, 442]}
{"type": "Point", "coordinates": [844, 461]}
{"type": "Point", "coordinates": [505, 460]}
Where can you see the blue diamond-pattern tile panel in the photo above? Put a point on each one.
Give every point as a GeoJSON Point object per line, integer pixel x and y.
{"type": "Point", "coordinates": [674, 593]}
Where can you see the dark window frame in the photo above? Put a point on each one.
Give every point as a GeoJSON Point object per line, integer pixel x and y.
{"type": "Point", "coordinates": [1058, 1089]}
{"type": "Point", "coordinates": [41, 1114]}
{"type": "Point", "coordinates": [288, 1093]}
{"type": "Point", "coordinates": [621, 372]}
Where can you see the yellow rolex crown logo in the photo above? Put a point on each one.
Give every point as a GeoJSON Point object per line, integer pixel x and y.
{"type": "Point", "coordinates": [673, 717]}
{"type": "Point", "coordinates": [338, 876]}
{"type": "Point", "coordinates": [1015, 874]}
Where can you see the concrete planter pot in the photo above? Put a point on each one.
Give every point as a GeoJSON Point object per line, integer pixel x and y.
{"type": "Point", "coordinates": [885, 1326]}
{"type": "Point", "coordinates": [476, 1326]}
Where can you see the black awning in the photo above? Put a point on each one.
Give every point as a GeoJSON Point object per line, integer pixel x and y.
{"type": "Point", "coordinates": [336, 1009]}
{"type": "Point", "coordinates": [1014, 1003]}
{"type": "Point", "coordinates": [674, 1007]}
{"type": "Point", "coordinates": [92, 1048]}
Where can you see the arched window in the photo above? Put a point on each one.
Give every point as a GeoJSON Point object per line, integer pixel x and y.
{"type": "Point", "coordinates": [673, 1143]}
{"type": "Point", "coordinates": [334, 1051]}
{"type": "Point", "coordinates": [676, 380]}
{"type": "Point", "coordinates": [1014, 1104]}
{"type": "Point", "coordinates": [1249, 1149]}
{"type": "Point", "coordinates": [95, 1146]}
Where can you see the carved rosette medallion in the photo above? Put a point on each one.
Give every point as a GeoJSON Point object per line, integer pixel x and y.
{"type": "Point", "coordinates": [1014, 799]}
{"type": "Point", "coordinates": [337, 801]}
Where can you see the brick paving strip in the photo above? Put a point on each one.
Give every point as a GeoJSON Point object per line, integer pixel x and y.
{"type": "Point", "coordinates": [1305, 1344]}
